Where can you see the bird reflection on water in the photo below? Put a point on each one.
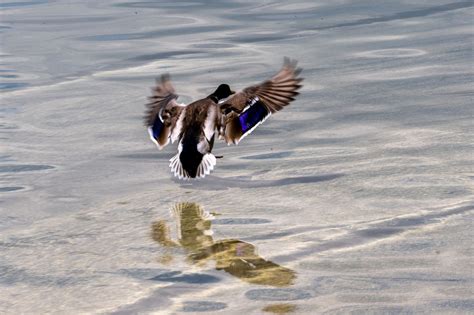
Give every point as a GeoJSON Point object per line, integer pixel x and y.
{"type": "Point", "coordinates": [238, 258]}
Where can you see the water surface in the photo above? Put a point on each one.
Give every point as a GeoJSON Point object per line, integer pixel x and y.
{"type": "Point", "coordinates": [356, 199]}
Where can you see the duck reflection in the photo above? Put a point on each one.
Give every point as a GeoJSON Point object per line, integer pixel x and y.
{"type": "Point", "coordinates": [280, 308]}
{"type": "Point", "coordinates": [235, 257]}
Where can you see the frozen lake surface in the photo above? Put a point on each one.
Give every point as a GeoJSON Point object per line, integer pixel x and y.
{"type": "Point", "coordinates": [356, 199]}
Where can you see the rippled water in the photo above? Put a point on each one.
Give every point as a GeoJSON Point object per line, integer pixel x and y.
{"type": "Point", "coordinates": [358, 198]}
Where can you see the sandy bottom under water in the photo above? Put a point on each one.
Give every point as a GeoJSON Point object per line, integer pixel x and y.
{"type": "Point", "coordinates": [356, 199]}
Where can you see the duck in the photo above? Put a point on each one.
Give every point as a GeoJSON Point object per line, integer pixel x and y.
{"type": "Point", "coordinates": [228, 114]}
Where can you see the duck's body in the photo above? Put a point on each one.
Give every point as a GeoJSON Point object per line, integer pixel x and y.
{"type": "Point", "coordinates": [231, 115]}
{"type": "Point", "coordinates": [194, 158]}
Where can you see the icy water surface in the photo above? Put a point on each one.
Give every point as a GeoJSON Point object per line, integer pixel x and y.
{"type": "Point", "coordinates": [356, 199]}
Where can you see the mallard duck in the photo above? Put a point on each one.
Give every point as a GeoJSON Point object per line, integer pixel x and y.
{"type": "Point", "coordinates": [231, 115]}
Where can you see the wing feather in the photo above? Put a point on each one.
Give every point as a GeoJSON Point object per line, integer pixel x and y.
{"type": "Point", "coordinates": [163, 112]}
{"type": "Point", "coordinates": [271, 95]}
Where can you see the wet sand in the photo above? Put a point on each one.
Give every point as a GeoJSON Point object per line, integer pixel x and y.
{"type": "Point", "coordinates": [356, 199]}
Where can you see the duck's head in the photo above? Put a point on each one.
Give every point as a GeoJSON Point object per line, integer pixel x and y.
{"type": "Point", "coordinates": [223, 91]}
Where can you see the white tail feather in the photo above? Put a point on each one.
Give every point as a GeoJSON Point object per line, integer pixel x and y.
{"type": "Point", "coordinates": [177, 167]}
{"type": "Point", "coordinates": [207, 165]}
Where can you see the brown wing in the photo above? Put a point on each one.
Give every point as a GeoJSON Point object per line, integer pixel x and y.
{"type": "Point", "coordinates": [162, 112]}
{"type": "Point", "coordinates": [247, 109]}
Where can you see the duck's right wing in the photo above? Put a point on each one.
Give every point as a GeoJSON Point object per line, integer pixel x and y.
{"type": "Point", "coordinates": [163, 114]}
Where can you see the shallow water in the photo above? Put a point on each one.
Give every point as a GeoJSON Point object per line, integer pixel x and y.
{"type": "Point", "coordinates": [358, 198]}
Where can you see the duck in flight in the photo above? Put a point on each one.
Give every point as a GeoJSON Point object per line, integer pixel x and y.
{"type": "Point", "coordinates": [230, 115]}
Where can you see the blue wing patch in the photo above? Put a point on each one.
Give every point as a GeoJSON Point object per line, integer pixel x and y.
{"type": "Point", "coordinates": [157, 127]}
{"type": "Point", "coordinates": [155, 130]}
{"type": "Point", "coordinates": [253, 115]}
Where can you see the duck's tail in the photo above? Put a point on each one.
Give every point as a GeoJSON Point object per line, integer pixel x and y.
{"type": "Point", "coordinates": [204, 168]}
{"type": "Point", "coordinates": [177, 167]}
{"type": "Point", "coordinates": [207, 165]}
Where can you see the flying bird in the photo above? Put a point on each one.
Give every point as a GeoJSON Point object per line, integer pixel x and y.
{"type": "Point", "coordinates": [231, 115]}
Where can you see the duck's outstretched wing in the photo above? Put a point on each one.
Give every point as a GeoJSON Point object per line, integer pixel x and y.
{"type": "Point", "coordinates": [162, 116]}
{"type": "Point", "coordinates": [248, 108]}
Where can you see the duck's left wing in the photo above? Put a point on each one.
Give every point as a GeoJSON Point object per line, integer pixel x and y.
{"type": "Point", "coordinates": [247, 109]}
{"type": "Point", "coordinates": [163, 113]}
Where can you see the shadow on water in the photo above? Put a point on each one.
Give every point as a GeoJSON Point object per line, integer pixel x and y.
{"type": "Point", "coordinates": [153, 34]}
{"type": "Point", "coordinates": [11, 188]}
{"type": "Point", "coordinates": [24, 168]}
{"type": "Point", "coordinates": [5, 5]}
{"type": "Point", "coordinates": [164, 55]}
{"type": "Point", "coordinates": [235, 257]}
{"type": "Point", "coordinates": [12, 85]}
{"type": "Point", "coordinates": [403, 15]}
{"type": "Point", "coordinates": [7, 74]}
{"type": "Point", "coordinates": [370, 232]}
{"type": "Point", "coordinates": [215, 4]}
{"type": "Point", "coordinates": [218, 183]}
